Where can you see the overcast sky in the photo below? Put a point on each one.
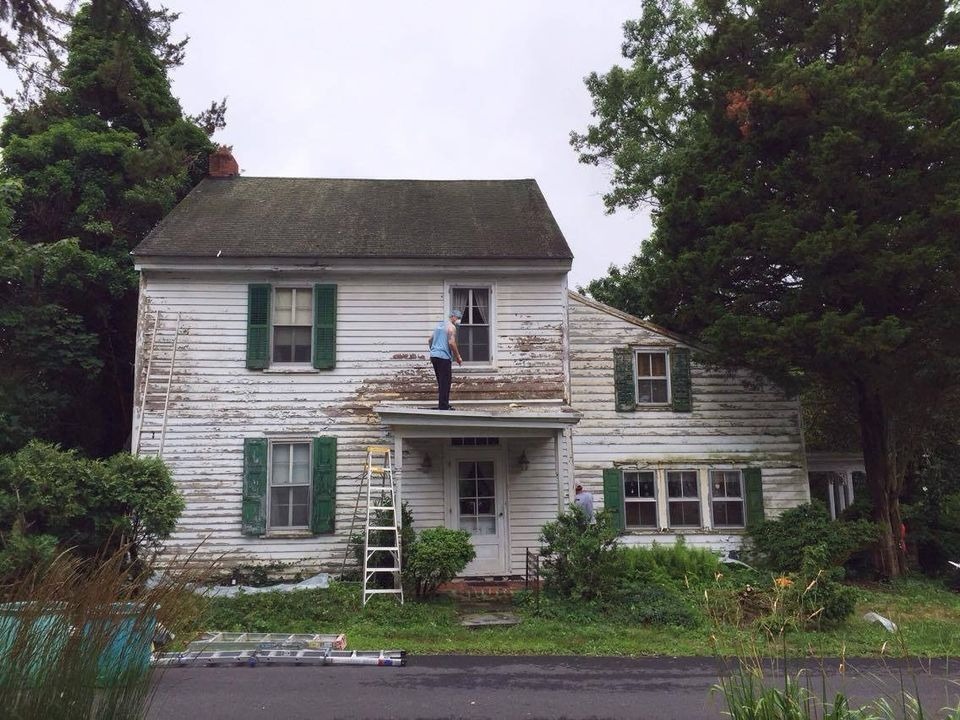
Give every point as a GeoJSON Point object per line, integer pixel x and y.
{"type": "Point", "coordinates": [416, 89]}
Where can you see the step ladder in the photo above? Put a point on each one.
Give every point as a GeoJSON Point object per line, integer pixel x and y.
{"type": "Point", "coordinates": [381, 533]}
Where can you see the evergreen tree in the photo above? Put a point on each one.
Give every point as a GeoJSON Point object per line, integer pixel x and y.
{"type": "Point", "coordinates": [89, 170]}
{"type": "Point", "coordinates": [803, 160]}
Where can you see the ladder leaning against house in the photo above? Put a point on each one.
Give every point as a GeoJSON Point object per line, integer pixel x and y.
{"type": "Point", "coordinates": [381, 533]}
{"type": "Point", "coordinates": [160, 357]}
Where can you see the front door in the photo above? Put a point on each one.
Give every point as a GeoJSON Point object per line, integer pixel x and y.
{"type": "Point", "coordinates": [478, 506]}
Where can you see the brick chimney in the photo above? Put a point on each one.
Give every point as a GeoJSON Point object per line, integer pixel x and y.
{"type": "Point", "coordinates": [222, 163]}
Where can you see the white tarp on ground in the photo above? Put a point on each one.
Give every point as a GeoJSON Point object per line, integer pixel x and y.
{"type": "Point", "coordinates": [320, 580]}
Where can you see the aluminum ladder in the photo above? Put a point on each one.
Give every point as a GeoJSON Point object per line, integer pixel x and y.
{"type": "Point", "coordinates": [161, 356]}
{"type": "Point", "coordinates": [381, 533]}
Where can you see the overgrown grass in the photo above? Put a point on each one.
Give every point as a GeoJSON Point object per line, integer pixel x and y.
{"type": "Point", "coordinates": [927, 615]}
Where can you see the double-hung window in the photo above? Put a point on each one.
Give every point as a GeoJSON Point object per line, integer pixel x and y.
{"type": "Point", "coordinates": [726, 490]}
{"type": "Point", "coordinates": [640, 499]}
{"type": "Point", "coordinates": [292, 325]}
{"type": "Point", "coordinates": [290, 480]}
{"type": "Point", "coordinates": [474, 333]}
{"type": "Point", "coordinates": [653, 383]}
{"type": "Point", "coordinates": [683, 498]}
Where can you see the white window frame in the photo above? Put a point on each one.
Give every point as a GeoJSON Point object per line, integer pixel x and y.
{"type": "Point", "coordinates": [713, 498]}
{"type": "Point", "coordinates": [273, 324]}
{"type": "Point", "coordinates": [637, 377]}
{"type": "Point", "coordinates": [655, 500]}
{"type": "Point", "coordinates": [684, 499]}
{"type": "Point", "coordinates": [270, 446]}
{"type": "Point", "coordinates": [448, 288]}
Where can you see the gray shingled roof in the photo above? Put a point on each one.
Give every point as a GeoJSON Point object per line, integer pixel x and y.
{"type": "Point", "coordinates": [332, 218]}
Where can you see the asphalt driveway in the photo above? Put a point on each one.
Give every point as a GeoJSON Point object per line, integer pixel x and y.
{"type": "Point", "coordinates": [511, 687]}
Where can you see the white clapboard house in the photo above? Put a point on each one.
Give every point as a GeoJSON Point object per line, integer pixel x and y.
{"type": "Point", "coordinates": [283, 327]}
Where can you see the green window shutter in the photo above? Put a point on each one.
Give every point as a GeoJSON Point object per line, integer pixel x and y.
{"type": "Point", "coordinates": [680, 385]}
{"type": "Point", "coordinates": [324, 326]}
{"type": "Point", "coordinates": [613, 495]}
{"type": "Point", "coordinates": [324, 484]}
{"type": "Point", "coordinates": [258, 326]}
{"type": "Point", "coordinates": [753, 495]}
{"type": "Point", "coordinates": [624, 383]}
{"type": "Point", "coordinates": [254, 503]}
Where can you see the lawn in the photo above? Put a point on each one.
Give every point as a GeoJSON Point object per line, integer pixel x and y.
{"type": "Point", "coordinates": [927, 614]}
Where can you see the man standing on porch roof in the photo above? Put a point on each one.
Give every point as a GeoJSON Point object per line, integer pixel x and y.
{"type": "Point", "coordinates": [443, 350]}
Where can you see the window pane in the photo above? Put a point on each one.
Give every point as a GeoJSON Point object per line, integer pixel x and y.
{"type": "Point", "coordinates": [644, 391]}
{"type": "Point", "coordinates": [280, 472]}
{"type": "Point", "coordinates": [631, 485]}
{"type": "Point", "coordinates": [486, 526]}
{"type": "Point", "coordinates": [485, 506]}
{"type": "Point", "coordinates": [474, 343]}
{"type": "Point", "coordinates": [485, 470]}
{"type": "Point", "coordinates": [283, 307]}
{"type": "Point", "coordinates": [632, 513]}
{"type": "Point", "coordinates": [300, 499]}
{"type": "Point", "coordinates": [468, 507]}
{"type": "Point", "coordinates": [648, 514]}
{"type": "Point", "coordinates": [728, 513]}
{"type": "Point", "coordinates": [647, 485]}
{"type": "Point", "coordinates": [282, 342]}
{"type": "Point", "coordinates": [279, 507]}
{"type": "Point", "coordinates": [485, 487]}
{"type": "Point", "coordinates": [468, 488]}
{"type": "Point", "coordinates": [301, 464]}
{"type": "Point", "coordinates": [684, 514]}
{"type": "Point", "coordinates": [304, 307]}
{"type": "Point", "coordinates": [690, 485]}
{"type": "Point", "coordinates": [674, 486]}
{"type": "Point", "coordinates": [301, 344]}
{"type": "Point", "coordinates": [469, 524]}
{"type": "Point", "coordinates": [658, 391]}
{"type": "Point", "coordinates": [658, 364]}
{"type": "Point", "coordinates": [481, 305]}
{"type": "Point", "coordinates": [643, 364]}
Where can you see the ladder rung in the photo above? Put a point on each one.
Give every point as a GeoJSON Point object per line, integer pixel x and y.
{"type": "Point", "coordinates": [389, 570]}
{"type": "Point", "coordinates": [382, 591]}
{"type": "Point", "coordinates": [373, 549]}
{"type": "Point", "coordinates": [377, 469]}
{"type": "Point", "coordinates": [383, 527]}
{"type": "Point", "coordinates": [371, 508]}
{"type": "Point", "coordinates": [377, 449]}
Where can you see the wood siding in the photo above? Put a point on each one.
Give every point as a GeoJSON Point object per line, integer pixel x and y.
{"type": "Point", "coordinates": [382, 328]}
{"type": "Point", "coordinates": [737, 422]}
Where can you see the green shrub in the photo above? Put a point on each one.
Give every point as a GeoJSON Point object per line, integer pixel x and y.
{"type": "Point", "coordinates": [652, 604]}
{"type": "Point", "coordinates": [675, 564]}
{"type": "Point", "coordinates": [436, 557]}
{"type": "Point", "coordinates": [581, 560]}
{"type": "Point", "coordinates": [51, 499]}
{"type": "Point", "coordinates": [778, 544]}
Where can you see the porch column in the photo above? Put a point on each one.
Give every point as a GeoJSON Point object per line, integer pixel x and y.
{"type": "Point", "coordinates": [398, 472]}
{"type": "Point", "coordinates": [556, 466]}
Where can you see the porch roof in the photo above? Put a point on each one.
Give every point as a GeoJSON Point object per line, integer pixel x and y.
{"type": "Point", "coordinates": [480, 419]}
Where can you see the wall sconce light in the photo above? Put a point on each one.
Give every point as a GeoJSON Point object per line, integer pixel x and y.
{"type": "Point", "coordinates": [523, 462]}
{"type": "Point", "coordinates": [426, 464]}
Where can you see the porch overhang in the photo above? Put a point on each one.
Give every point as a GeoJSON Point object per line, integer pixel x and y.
{"type": "Point", "coordinates": [501, 419]}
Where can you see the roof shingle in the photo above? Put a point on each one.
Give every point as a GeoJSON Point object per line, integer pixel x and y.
{"type": "Point", "coordinates": [338, 218]}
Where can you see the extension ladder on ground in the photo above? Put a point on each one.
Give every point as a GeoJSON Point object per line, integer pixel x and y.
{"type": "Point", "coordinates": [253, 649]}
{"type": "Point", "coordinates": [381, 534]}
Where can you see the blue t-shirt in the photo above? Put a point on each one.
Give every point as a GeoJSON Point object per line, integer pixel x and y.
{"type": "Point", "coordinates": [440, 345]}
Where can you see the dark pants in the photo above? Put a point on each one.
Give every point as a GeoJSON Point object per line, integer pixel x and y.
{"type": "Point", "coordinates": [444, 372]}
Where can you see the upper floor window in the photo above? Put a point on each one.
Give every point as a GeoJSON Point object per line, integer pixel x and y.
{"type": "Point", "coordinates": [292, 325]}
{"type": "Point", "coordinates": [653, 386]}
{"type": "Point", "coordinates": [473, 337]}
{"type": "Point", "coordinates": [726, 490]}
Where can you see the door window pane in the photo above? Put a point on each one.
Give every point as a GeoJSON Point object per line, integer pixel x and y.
{"type": "Point", "coordinates": [477, 502]}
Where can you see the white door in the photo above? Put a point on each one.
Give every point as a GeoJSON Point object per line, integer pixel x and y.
{"type": "Point", "coordinates": [477, 493]}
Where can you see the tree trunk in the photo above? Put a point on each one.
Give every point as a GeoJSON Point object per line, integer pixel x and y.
{"type": "Point", "coordinates": [883, 479]}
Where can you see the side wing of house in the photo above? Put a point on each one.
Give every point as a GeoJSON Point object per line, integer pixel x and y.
{"type": "Point", "coordinates": [672, 447]}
